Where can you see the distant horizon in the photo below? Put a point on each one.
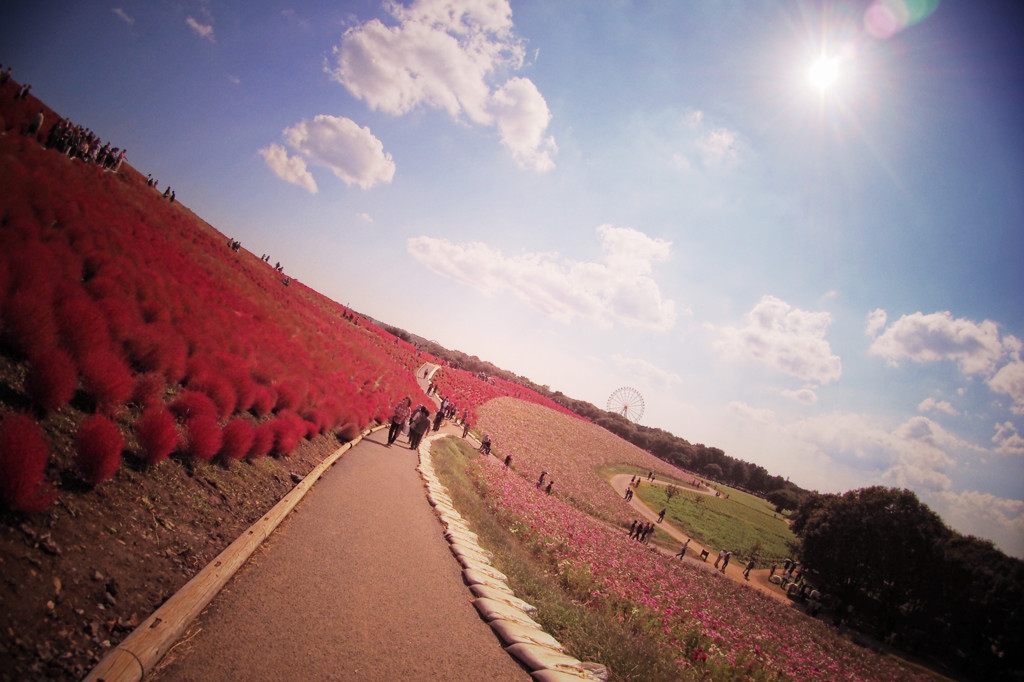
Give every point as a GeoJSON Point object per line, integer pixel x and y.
{"type": "Point", "coordinates": [795, 228]}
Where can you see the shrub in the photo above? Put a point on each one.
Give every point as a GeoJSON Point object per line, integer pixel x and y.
{"type": "Point", "coordinates": [52, 379]}
{"type": "Point", "coordinates": [23, 455]}
{"type": "Point", "coordinates": [80, 321]}
{"type": "Point", "coordinates": [203, 438]}
{"type": "Point", "coordinates": [190, 404]}
{"type": "Point", "coordinates": [262, 441]}
{"type": "Point", "coordinates": [238, 438]}
{"type": "Point", "coordinates": [219, 390]}
{"type": "Point", "coordinates": [157, 434]}
{"type": "Point", "coordinates": [106, 377]}
{"type": "Point", "coordinates": [264, 400]}
{"type": "Point", "coordinates": [289, 395]}
{"type": "Point", "coordinates": [288, 431]}
{"type": "Point", "coordinates": [99, 444]}
{"type": "Point", "coordinates": [149, 389]}
{"type": "Point", "coordinates": [29, 326]}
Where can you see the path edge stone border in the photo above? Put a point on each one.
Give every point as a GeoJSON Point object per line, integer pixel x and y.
{"type": "Point", "coordinates": [541, 654]}
{"type": "Point", "coordinates": [136, 656]}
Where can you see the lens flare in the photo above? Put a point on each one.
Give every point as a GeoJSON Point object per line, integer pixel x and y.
{"type": "Point", "coordinates": [824, 72]}
{"type": "Point", "coordinates": [885, 18]}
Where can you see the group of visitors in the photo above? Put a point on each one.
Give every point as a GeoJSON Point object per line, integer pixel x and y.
{"type": "Point", "coordinates": [234, 245]}
{"type": "Point", "coordinates": [641, 532]}
{"type": "Point", "coordinates": [415, 423]}
{"type": "Point", "coordinates": [723, 558]}
{"type": "Point", "coordinates": [545, 483]}
{"type": "Point", "coordinates": [79, 143]}
{"type": "Point", "coordinates": [277, 266]}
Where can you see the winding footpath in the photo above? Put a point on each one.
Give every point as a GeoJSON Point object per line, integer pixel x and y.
{"type": "Point", "coordinates": [357, 584]}
{"type": "Point", "coordinates": [758, 578]}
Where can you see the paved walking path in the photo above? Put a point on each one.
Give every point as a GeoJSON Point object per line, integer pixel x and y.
{"type": "Point", "coordinates": [357, 584]}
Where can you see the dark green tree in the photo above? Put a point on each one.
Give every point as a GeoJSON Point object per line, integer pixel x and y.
{"type": "Point", "coordinates": [886, 555]}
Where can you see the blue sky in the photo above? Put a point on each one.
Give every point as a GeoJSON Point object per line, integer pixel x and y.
{"type": "Point", "coordinates": [821, 277]}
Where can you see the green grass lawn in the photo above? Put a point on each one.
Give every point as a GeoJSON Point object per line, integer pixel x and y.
{"type": "Point", "coordinates": [742, 524]}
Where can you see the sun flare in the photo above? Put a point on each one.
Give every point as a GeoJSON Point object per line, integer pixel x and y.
{"type": "Point", "coordinates": [824, 73]}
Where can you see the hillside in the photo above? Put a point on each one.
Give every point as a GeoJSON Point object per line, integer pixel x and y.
{"type": "Point", "coordinates": [161, 388]}
{"type": "Point", "coordinates": [159, 391]}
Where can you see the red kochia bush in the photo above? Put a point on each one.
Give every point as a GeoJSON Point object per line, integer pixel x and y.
{"type": "Point", "coordinates": [23, 455]}
{"type": "Point", "coordinates": [157, 434]}
{"type": "Point", "coordinates": [219, 390]}
{"type": "Point", "coordinates": [106, 377]}
{"type": "Point", "coordinates": [99, 444]}
{"type": "Point", "coordinates": [262, 441]}
{"type": "Point", "coordinates": [203, 437]}
{"type": "Point", "coordinates": [264, 400]}
{"type": "Point", "coordinates": [288, 431]}
{"type": "Point", "coordinates": [149, 389]}
{"type": "Point", "coordinates": [28, 325]}
{"type": "Point", "coordinates": [191, 404]}
{"type": "Point", "coordinates": [52, 378]}
{"type": "Point", "coordinates": [238, 437]}
{"type": "Point", "coordinates": [80, 321]}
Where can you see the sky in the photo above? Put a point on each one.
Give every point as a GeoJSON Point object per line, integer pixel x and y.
{"type": "Point", "coordinates": [796, 228]}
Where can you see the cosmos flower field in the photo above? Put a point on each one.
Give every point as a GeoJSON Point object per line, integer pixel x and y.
{"type": "Point", "coordinates": [714, 625]}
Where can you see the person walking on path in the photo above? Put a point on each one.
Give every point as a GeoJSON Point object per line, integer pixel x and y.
{"type": "Point", "coordinates": [418, 425]}
{"type": "Point", "coordinates": [398, 419]}
{"type": "Point", "coordinates": [682, 550]}
{"type": "Point", "coordinates": [748, 569]}
{"type": "Point", "coordinates": [661, 516]}
{"type": "Point", "coordinates": [721, 555]}
{"type": "Point", "coordinates": [725, 561]}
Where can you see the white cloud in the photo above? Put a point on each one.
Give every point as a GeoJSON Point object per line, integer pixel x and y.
{"type": "Point", "coordinates": [939, 336]}
{"type": "Point", "coordinates": [718, 147]}
{"type": "Point", "coordinates": [1007, 440]}
{"type": "Point", "coordinates": [365, 217]}
{"type": "Point", "coordinates": [1010, 381]}
{"type": "Point", "coordinates": [750, 413]}
{"type": "Point", "coordinates": [289, 168]}
{"type": "Point", "coordinates": [618, 289]}
{"type": "Point", "coordinates": [805, 395]}
{"type": "Point", "coordinates": [124, 16]}
{"type": "Point", "coordinates": [522, 116]}
{"type": "Point", "coordinates": [914, 455]}
{"type": "Point", "coordinates": [646, 370]}
{"type": "Point", "coordinates": [876, 321]}
{"type": "Point", "coordinates": [984, 515]}
{"type": "Point", "coordinates": [352, 153]}
{"type": "Point", "coordinates": [445, 54]}
{"type": "Point", "coordinates": [787, 339]}
{"type": "Point", "coordinates": [204, 31]}
{"type": "Point", "coordinates": [930, 404]}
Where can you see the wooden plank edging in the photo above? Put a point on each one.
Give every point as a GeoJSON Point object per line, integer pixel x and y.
{"type": "Point", "coordinates": [138, 654]}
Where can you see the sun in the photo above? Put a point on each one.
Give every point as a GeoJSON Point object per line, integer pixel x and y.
{"type": "Point", "coordinates": [824, 73]}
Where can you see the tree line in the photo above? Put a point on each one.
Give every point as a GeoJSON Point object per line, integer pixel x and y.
{"type": "Point", "coordinates": [896, 571]}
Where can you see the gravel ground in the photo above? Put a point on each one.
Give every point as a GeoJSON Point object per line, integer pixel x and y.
{"type": "Point", "coordinates": [357, 584]}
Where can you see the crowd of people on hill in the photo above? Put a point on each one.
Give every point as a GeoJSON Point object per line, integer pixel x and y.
{"type": "Point", "coordinates": [78, 142]}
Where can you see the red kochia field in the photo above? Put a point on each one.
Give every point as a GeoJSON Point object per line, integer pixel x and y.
{"type": "Point", "coordinates": [130, 315]}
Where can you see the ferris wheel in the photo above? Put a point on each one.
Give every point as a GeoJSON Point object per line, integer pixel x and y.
{"type": "Point", "coordinates": [628, 402]}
